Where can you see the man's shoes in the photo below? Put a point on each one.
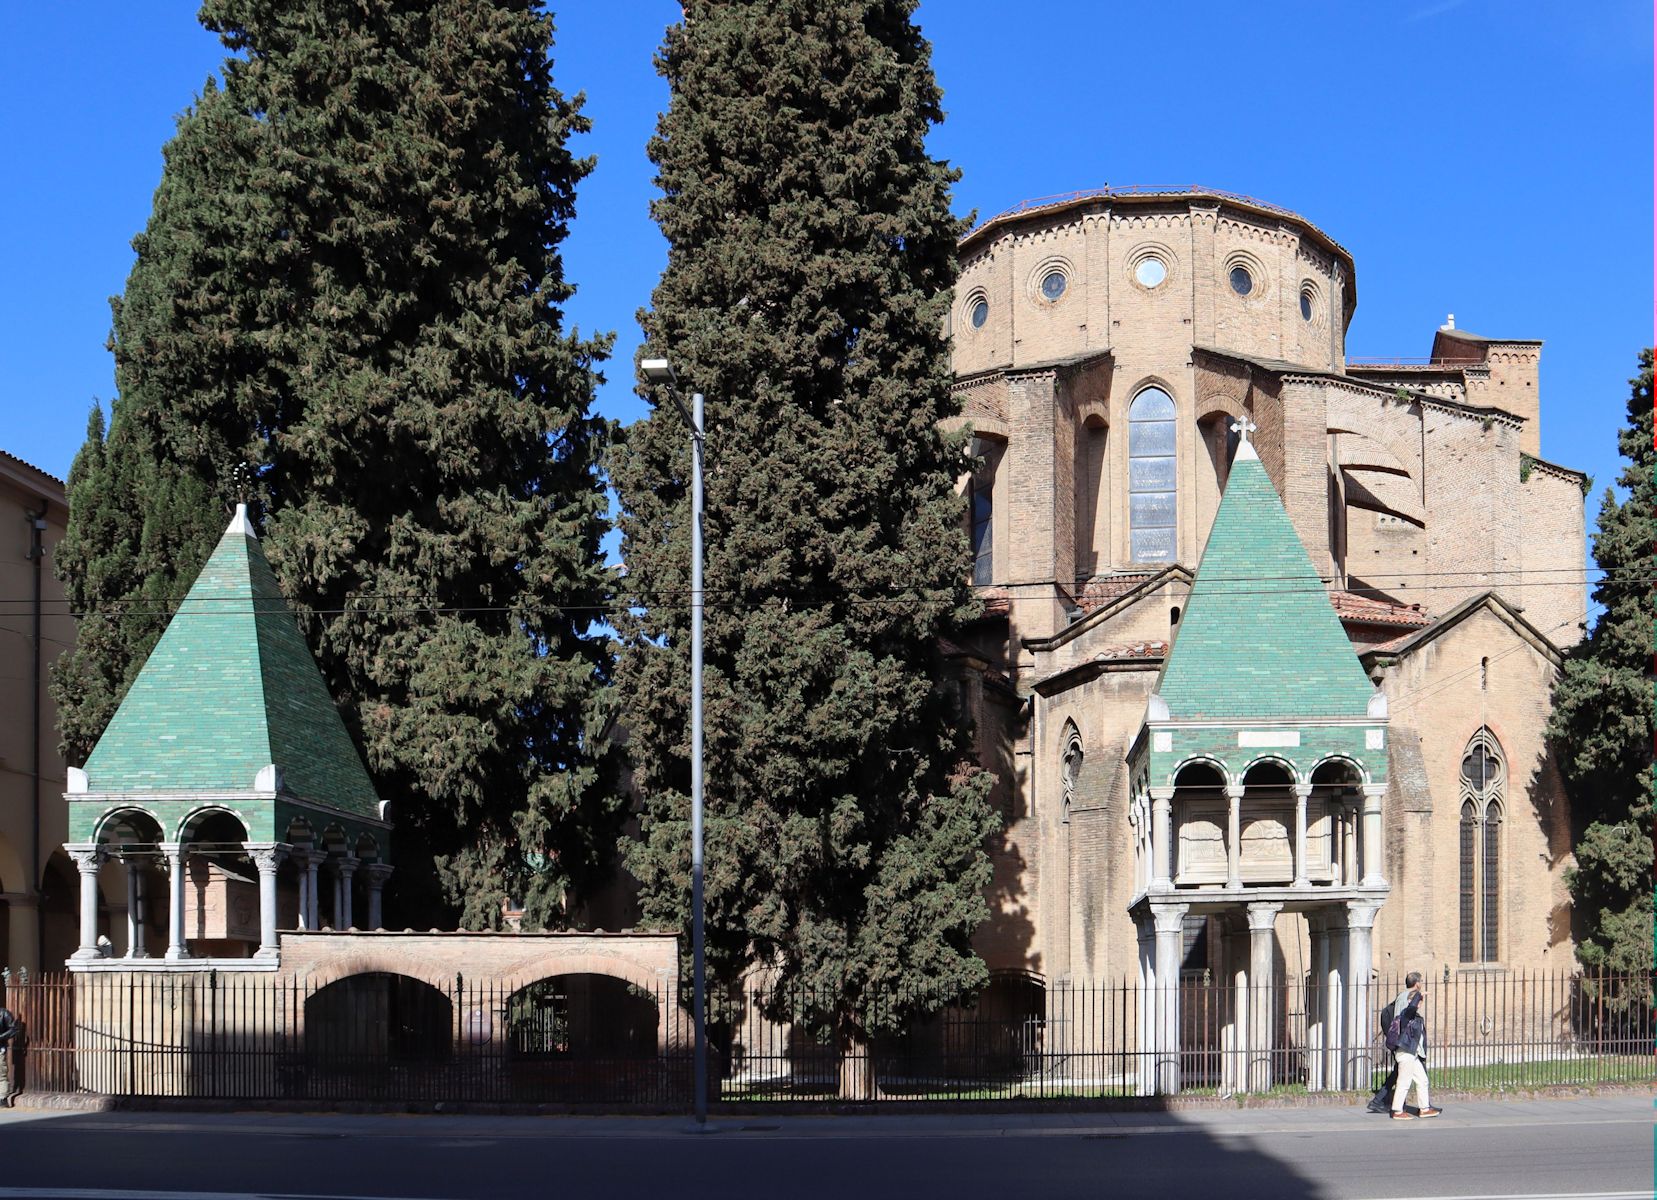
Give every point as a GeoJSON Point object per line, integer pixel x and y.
{"type": "Point", "coordinates": [1431, 1112]}
{"type": "Point", "coordinates": [1403, 1116]}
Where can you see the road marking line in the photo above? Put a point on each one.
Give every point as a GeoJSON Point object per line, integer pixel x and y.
{"type": "Point", "coordinates": [1643, 1195]}
{"type": "Point", "coordinates": [58, 1193]}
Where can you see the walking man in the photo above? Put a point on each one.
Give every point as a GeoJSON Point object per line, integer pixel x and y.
{"type": "Point", "coordinates": [1407, 1038]}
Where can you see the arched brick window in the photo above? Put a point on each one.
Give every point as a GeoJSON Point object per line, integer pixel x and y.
{"type": "Point", "coordinates": [1483, 779]}
{"type": "Point", "coordinates": [1071, 771]}
{"type": "Point", "coordinates": [981, 504]}
{"type": "Point", "coordinates": [1152, 486]}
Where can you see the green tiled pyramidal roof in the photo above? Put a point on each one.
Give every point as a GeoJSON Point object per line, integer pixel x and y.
{"type": "Point", "coordinates": [230, 689]}
{"type": "Point", "coordinates": [1259, 637]}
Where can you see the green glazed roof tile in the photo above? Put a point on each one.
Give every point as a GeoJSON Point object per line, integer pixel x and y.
{"type": "Point", "coordinates": [229, 689]}
{"type": "Point", "coordinates": [1259, 638]}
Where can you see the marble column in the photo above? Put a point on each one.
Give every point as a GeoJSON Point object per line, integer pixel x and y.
{"type": "Point", "coordinates": [267, 858]}
{"type": "Point", "coordinates": [1303, 792]}
{"type": "Point", "coordinates": [1317, 1001]}
{"type": "Point", "coordinates": [1162, 839]}
{"type": "Point", "coordinates": [176, 854]}
{"type": "Point", "coordinates": [1349, 843]}
{"type": "Point", "coordinates": [1234, 835]}
{"type": "Point", "coordinates": [1262, 917]}
{"type": "Point", "coordinates": [134, 864]}
{"type": "Point", "coordinates": [1145, 1018]}
{"type": "Point", "coordinates": [1334, 1024]}
{"type": "Point", "coordinates": [88, 858]}
{"type": "Point", "coordinates": [376, 874]}
{"type": "Point", "coordinates": [1170, 944]}
{"type": "Point", "coordinates": [1371, 840]}
{"type": "Point", "coordinates": [299, 856]}
{"type": "Point", "coordinates": [313, 889]}
{"type": "Point", "coordinates": [1360, 1013]}
{"type": "Point", "coordinates": [1236, 1075]}
{"type": "Point", "coordinates": [346, 867]}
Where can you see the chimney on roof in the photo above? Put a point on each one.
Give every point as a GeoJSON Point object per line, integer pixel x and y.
{"type": "Point", "coordinates": [1449, 322]}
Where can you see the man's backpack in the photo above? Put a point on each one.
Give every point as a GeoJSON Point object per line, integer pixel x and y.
{"type": "Point", "coordinates": [1395, 1032]}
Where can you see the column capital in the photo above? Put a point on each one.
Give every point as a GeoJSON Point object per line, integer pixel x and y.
{"type": "Point", "coordinates": [1263, 914]}
{"type": "Point", "coordinates": [1303, 790]}
{"type": "Point", "coordinates": [1374, 791]}
{"type": "Point", "coordinates": [1161, 794]}
{"type": "Point", "coordinates": [267, 856]}
{"type": "Point", "coordinates": [171, 849]}
{"type": "Point", "coordinates": [87, 855]}
{"type": "Point", "coordinates": [377, 873]}
{"type": "Point", "coordinates": [1360, 914]}
{"type": "Point", "coordinates": [1169, 918]}
{"type": "Point", "coordinates": [1234, 789]}
{"type": "Point", "coordinates": [346, 865]}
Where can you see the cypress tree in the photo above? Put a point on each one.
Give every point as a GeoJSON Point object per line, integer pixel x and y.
{"type": "Point", "coordinates": [1605, 719]}
{"type": "Point", "coordinates": [811, 251]}
{"type": "Point", "coordinates": [145, 504]}
{"type": "Point", "coordinates": [363, 306]}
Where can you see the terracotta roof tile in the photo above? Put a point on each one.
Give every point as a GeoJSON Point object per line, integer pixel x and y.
{"type": "Point", "coordinates": [1100, 591]}
{"type": "Point", "coordinates": [1131, 650]}
{"type": "Point", "coordinates": [1367, 610]}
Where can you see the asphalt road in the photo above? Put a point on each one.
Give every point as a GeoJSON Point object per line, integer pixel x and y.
{"type": "Point", "coordinates": [1598, 1147]}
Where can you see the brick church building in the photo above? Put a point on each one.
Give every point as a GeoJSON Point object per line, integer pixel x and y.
{"type": "Point", "coordinates": [1322, 750]}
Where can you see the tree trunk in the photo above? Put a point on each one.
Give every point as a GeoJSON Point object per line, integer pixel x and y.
{"type": "Point", "coordinates": [857, 1067]}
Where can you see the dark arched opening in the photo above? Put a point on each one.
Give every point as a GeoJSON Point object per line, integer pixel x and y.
{"type": "Point", "coordinates": [582, 1016]}
{"type": "Point", "coordinates": [1199, 850]}
{"type": "Point", "coordinates": [368, 1022]}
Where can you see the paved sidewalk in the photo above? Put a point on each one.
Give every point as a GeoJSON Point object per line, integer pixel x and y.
{"type": "Point", "coordinates": [1507, 1114]}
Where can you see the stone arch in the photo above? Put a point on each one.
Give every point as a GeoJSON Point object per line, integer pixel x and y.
{"type": "Point", "coordinates": [1353, 764]}
{"type": "Point", "coordinates": [1199, 760]}
{"type": "Point", "coordinates": [1275, 760]}
{"type": "Point", "coordinates": [204, 813]}
{"type": "Point", "coordinates": [129, 818]}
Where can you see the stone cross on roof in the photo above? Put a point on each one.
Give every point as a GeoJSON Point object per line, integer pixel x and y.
{"type": "Point", "coordinates": [1243, 426]}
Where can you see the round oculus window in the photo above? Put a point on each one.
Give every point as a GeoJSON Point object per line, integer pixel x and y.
{"type": "Point", "coordinates": [1306, 306]}
{"type": "Point", "coordinates": [1150, 271]}
{"type": "Point", "coordinates": [1241, 281]}
{"type": "Point", "coordinates": [1053, 284]}
{"type": "Point", "coordinates": [980, 313]}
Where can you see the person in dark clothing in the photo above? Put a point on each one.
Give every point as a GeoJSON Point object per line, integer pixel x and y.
{"type": "Point", "coordinates": [1407, 1038]}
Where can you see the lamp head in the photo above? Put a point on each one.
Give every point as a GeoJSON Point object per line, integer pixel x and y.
{"type": "Point", "coordinates": [658, 371]}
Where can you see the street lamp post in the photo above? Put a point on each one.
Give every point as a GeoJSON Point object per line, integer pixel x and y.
{"type": "Point", "coordinates": [659, 371]}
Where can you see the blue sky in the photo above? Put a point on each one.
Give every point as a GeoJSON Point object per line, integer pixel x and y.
{"type": "Point", "coordinates": [1491, 158]}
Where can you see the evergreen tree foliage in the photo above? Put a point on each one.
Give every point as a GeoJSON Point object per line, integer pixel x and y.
{"type": "Point", "coordinates": [351, 284]}
{"type": "Point", "coordinates": [811, 255]}
{"type": "Point", "coordinates": [1605, 718]}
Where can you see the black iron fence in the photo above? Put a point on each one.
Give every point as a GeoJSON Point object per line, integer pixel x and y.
{"type": "Point", "coordinates": [594, 1041]}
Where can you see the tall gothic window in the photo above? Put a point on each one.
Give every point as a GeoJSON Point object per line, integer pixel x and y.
{"type": "Point", "coordinates": [983, 531]}
{"type": "Point", "coordinates": [1469, 889]}
{"type": "Point", "coordinates": [1072, 771]}
{"type": "Point", "coordinates": [1483, 778]}
{"type": "Point", "coordinates": [981, 499]}
{"type": "Point", "coordinates": [1151, 476]}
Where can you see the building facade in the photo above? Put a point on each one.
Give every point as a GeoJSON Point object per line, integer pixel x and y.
{"type": "Point", "coordinates": [1118, 353]}
{"type": "Point", "coordinates": [37, 880]}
